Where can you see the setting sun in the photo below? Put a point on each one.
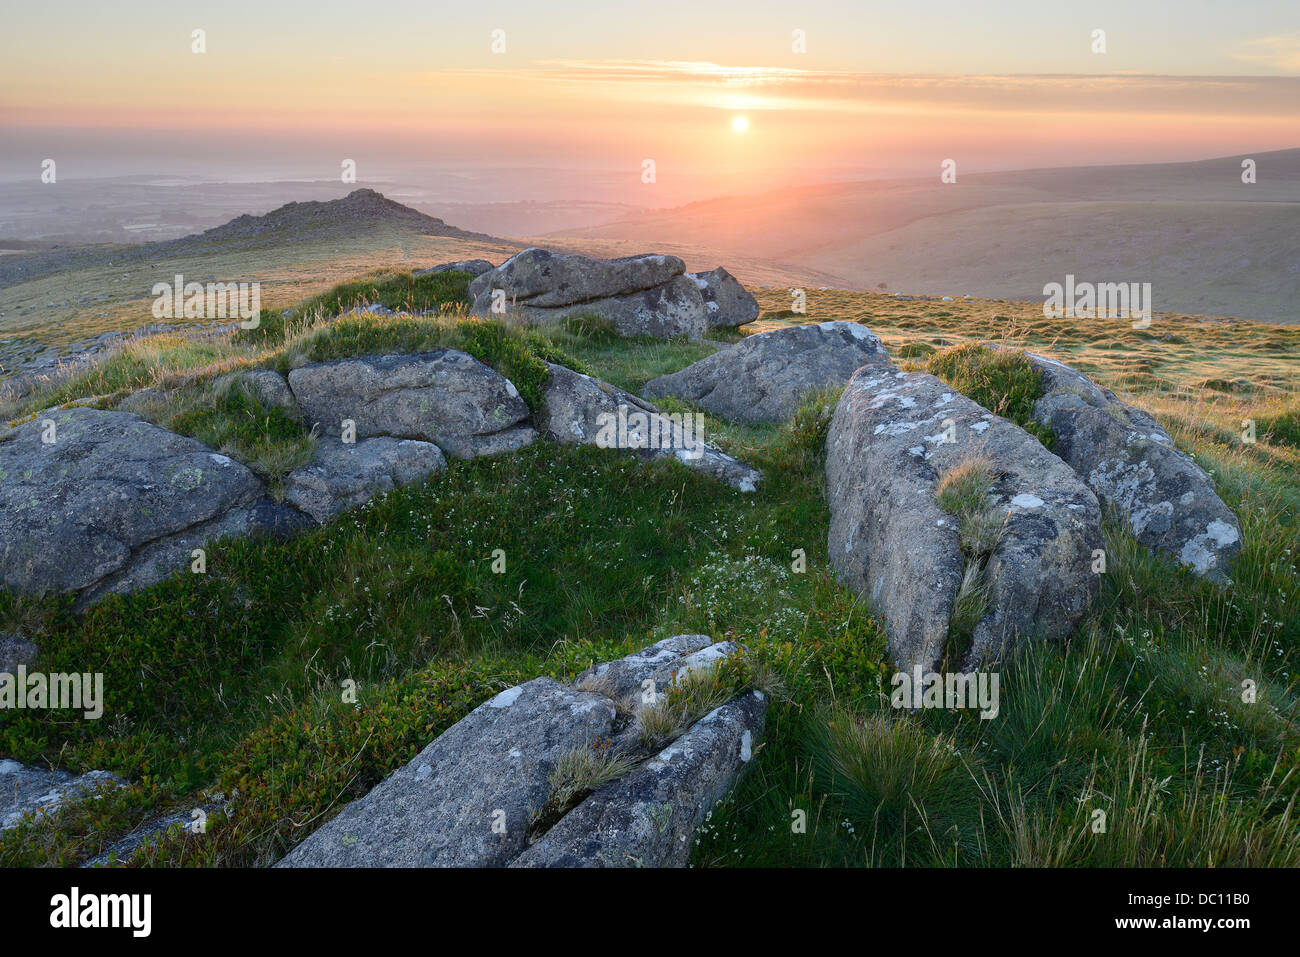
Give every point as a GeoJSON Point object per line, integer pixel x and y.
{"type": "Point", "coordinates": [740, 124]}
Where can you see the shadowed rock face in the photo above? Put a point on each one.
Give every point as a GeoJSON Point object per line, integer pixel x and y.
{"type": "Point", "coordinates": [481, 794]}
{"type": "Point", "coordinates": [1131, 463]}
{"type": "Point", "coordinates": [726, 303]}
{"type": "Point", "coordinates": [343, 476]}
{"type": "Point", "coordinates": [446, 397]}
{"type": "Point", "coordinates": [585, 411]}
{"type": "Point", "coordinates": [889, 443]}
{"type": "Point", "coordinates": [763, 378]}
{"type": "Point", "coordinates": [116, 503]}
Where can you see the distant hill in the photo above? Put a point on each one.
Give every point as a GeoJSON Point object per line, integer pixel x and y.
{"type": "Point", "coordinates": [1207, 243]}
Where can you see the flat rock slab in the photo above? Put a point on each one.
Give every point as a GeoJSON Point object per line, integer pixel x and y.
{"type": "Point", "coordinates": [893, 545]}
{"type": "Point", "coordinates": [579, 409]}
{"type": "Point", "coordinates": [32, 792]}
{"type": "Point", "coordinates": [469, 797]}
{"type": "Point", "coordinates": [543, 279]}
{"type": "Point", "coordinates": [1131, 463]}
{"type": "Point", "coordinates": [445, 396]}
{"type": "Point", "coordinates": [625, 676]}
{"type": "Point", "coordinates": [649, 817]}
{"type": "Point", "coordinates": [727, 304]}
{"type": "Point", "coordinates": [764, 377]}
{"type": "Point", "coordinates": [343, 476]}
{"type": "Point", "coordinates": [115, 502]}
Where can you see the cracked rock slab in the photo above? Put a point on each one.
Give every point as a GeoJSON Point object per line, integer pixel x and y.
{"type": "Point", "coordinates": [764, 377]}
{"type": "Point", "coordinates": [343, 476]}
{"type": "Point", "coordinates": [444, 396]}
{"type": "Point", "coordinates": [649, 817]}
{"type": "Point", "coordinates": [1131, 463]}
{"type": "Point", "coordinates": [892, 437]}
{"type": "Point", "coordinates": [541, 279]}
{"type": "Point", "coordinates": [581, 410]}
{"type": "Point", "coordinates": [27, 792]}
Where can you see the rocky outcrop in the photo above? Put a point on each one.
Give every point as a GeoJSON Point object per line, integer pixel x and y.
{"type": "Point", "coordinates": [585, 411]}
{"type": "Point", "coordinates": [269, 388]}
{"type": "Point", "coordinates": [342, 476]}
{"type": "Point", "coordinates": [16, 650]}
{"type": "Point", "coordinates": [726, 302]}
{"type": "Point", "coordinates": [27, 792]}
{"type": "Point", "coordinates": [641, 295]}
{"type": "Point", "coordinates": [893, 436]}
{"type": "Point", "coordinates": [446, 397]}
{"type": "Point", "coordinates": [94, 501]}
{"type": "Point", "coordinates": [1131, 463]}
{"type": "Point", "coordinates": [484, 794]}
{"type": "Point", "coordinates": [475, 267]}
{"type": "Point", "coordinates": [764, 377]}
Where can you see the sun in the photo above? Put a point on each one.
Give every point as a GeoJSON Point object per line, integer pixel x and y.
{"type": "Point", "coordinates": [740, 124]}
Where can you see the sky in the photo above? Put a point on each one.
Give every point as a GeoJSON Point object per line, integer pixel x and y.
{"type": "Point", "coordinates": [293, 88]}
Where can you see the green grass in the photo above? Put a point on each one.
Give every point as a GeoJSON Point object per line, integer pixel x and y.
{"type": "Point", "coordinates": [232, 680]}
{"type": "Point", "coordinates": [1003, 381]}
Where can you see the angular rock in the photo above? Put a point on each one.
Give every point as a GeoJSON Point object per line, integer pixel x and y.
{"type": "Point", "coordinates": [269, 388]}
{"type": "Point", "coordinates": [726, 302]}
{"type": "Point", "coordinates": [624, 676]}
{"type": "Point", "coordinates": [16, 650]}
{"type": "Point", "coordinates": [116, 503]}
{"type": "Point", "coordinates": [543, 279]}
{"type": "Point", "coordinates": [585, 411]}
{"type": "Point", "coordinates": [344, 476]}
{"type": "Point", "coordinates": [1130, 462]}
{"type": "Point", "coordinates": [764, 377]}
{"type": "Point", "coordinates": [33, 792]}
{"type": "Point", "coordinates": [893, 545]}
{"type": "Point", "coordinates": [475, 267]}
{"type": "Point", "coordinates": [446, 397]}
{"type": "Point", "coordinates": [648, 818]}
{"type": "Point", "coordinates": [491, 767]}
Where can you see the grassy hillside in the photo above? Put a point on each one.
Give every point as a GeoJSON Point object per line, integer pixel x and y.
{"type": "Point", "coordinates": [232, 680]}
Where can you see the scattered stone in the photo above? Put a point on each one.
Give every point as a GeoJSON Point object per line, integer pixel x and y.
{"type": "Point", "coordinates": [585, 411]}
{"type": "Point", "coordinates": [1130, 462]}
{"type": "Point", "coordinates": [343, 476]}
{"type": "Point", "coordinates": [33, 792]}
{"type": "Point", "coordinates": [893, 436]}
{"type": "Point", "coordinates": [445, 396]}
{"type": "Point", "coordinates": [764, 377]}
{"type": "Point", "coordinates": [726, 302]}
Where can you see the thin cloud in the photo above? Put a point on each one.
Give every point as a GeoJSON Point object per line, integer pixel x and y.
{"type": "Point", "coordinates": [1280, 52]}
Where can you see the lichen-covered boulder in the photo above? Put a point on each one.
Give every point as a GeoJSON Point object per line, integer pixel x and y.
{"type": "Point", "coordinates": [893, 436]}
{"type": "Point", "coordinates": [727, 304]}
{"type": "Point", "coordinates": [343, 476]}
{"type": "Point", "coordinates": [94, 501]}
{"type": "Point", "coordinates": [579, 409]}
{"type": "Point", "coordinates": [1131, 463]}
{"type": "Point", "coordinates": [475, 267]}
{"type": "Point", "coordinates": [444, 396]}
{"type": "Point", "coordinates": [764, 377]}
{"type": "Point", "coordinates": [29, 793]}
